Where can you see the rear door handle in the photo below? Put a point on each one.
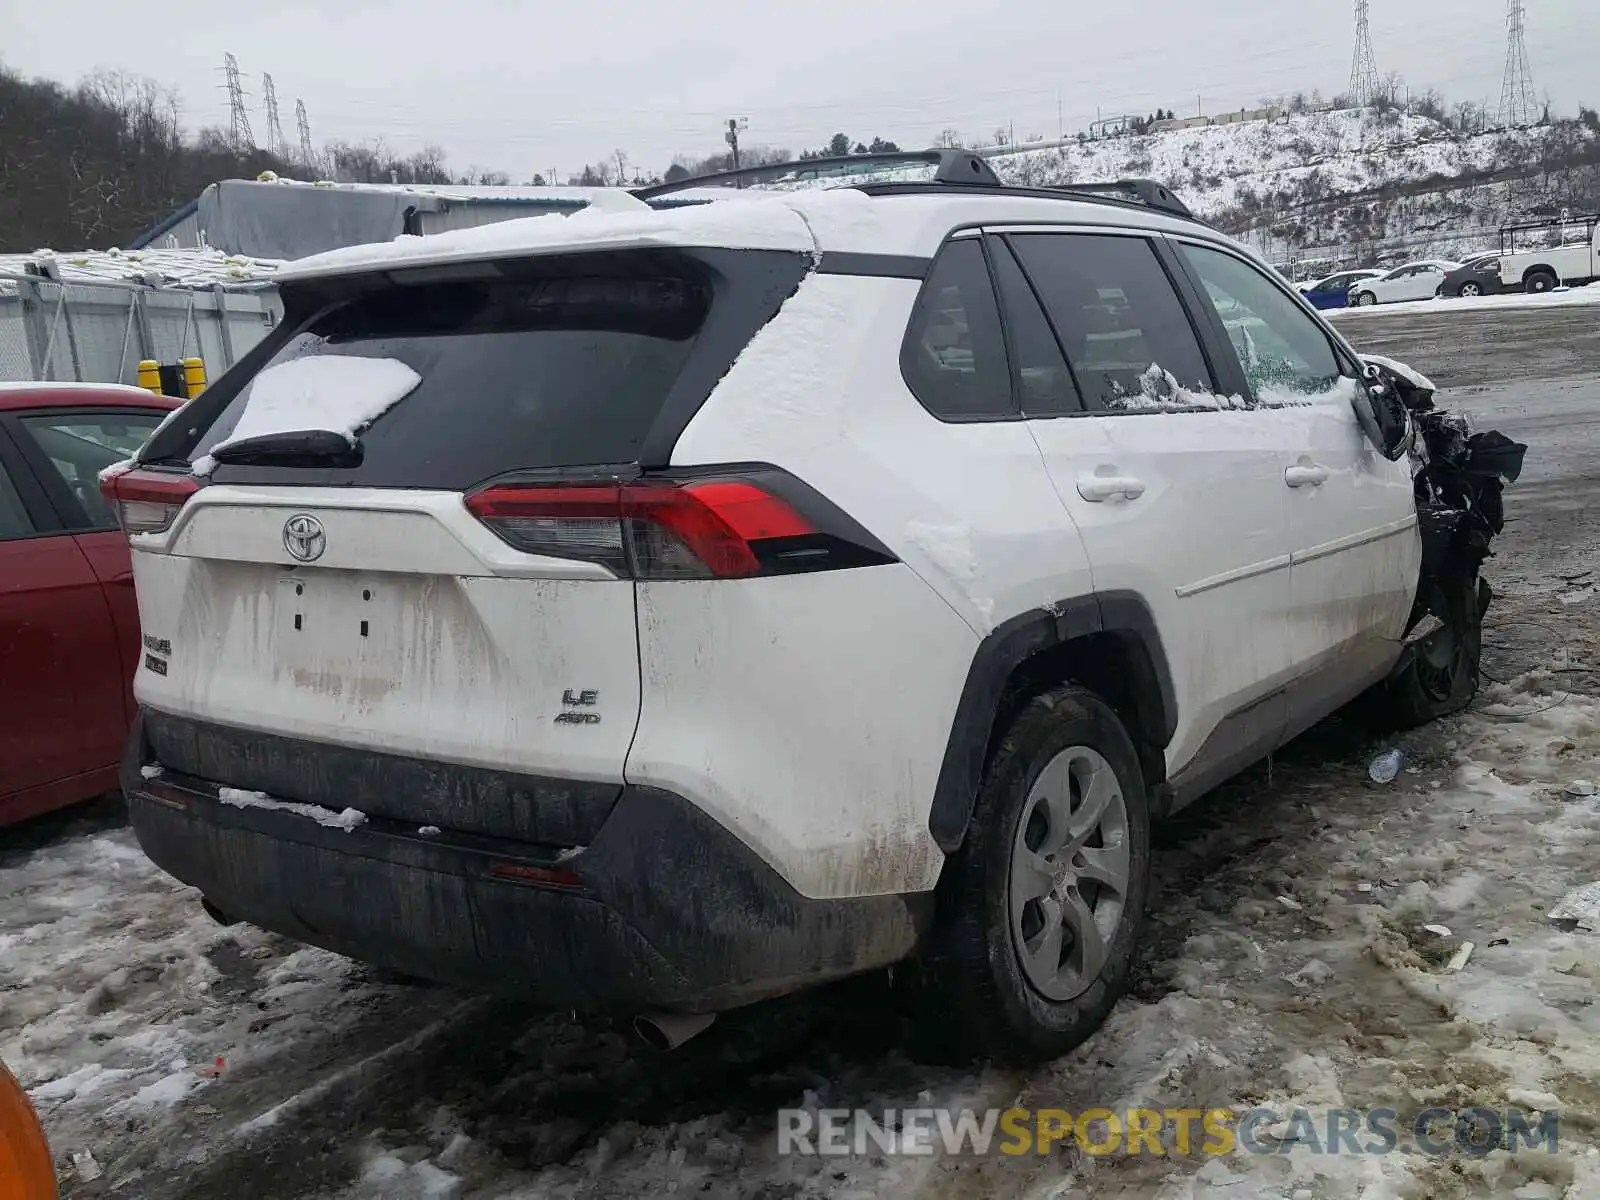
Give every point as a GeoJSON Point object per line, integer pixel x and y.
{"type": "Point", "coordinates": [1305, 474]}
{"type": "Point", "coordinates": [1099, 488]}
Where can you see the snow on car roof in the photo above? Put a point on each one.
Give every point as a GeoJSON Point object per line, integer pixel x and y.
{"type": "Point", "coordinates": [843, 220]}
{"type": "Point", "coordinates": [754, 224]}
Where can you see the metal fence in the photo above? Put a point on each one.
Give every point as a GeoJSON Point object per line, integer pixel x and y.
{"type": "Point", "coordinates": [99, 332]}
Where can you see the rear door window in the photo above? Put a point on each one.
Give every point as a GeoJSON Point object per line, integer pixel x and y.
{"type": "Point", "coordinates": [1044, 383]}
{"type": "Point", "coordinates": [1126, 334]}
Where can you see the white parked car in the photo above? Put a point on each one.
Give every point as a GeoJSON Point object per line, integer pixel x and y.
{"type": "Point", "coordinates": [1413, 281]}
{"type": "Point", "coordinates": [659, 611]}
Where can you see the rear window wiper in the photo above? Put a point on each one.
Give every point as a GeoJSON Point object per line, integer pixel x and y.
{"type": "Point", "coordinates": [295, 448]}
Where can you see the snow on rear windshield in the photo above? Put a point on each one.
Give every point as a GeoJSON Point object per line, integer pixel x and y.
{"type": "Point", "coordinates": [342, 395]}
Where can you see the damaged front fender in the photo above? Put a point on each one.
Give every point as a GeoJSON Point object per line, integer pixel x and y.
{"type": "Point", "coordinates": [1459, 477]}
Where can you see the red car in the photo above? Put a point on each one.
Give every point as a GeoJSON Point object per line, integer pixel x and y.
{"type": "Point", "coordinates": [69, 629]}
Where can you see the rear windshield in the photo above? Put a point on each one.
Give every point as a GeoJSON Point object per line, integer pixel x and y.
{"type": "Point", "coordinates": [516, 374]}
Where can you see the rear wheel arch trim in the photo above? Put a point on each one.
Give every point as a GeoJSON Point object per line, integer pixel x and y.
{"type": "Point", "coordinates": [999, 655]}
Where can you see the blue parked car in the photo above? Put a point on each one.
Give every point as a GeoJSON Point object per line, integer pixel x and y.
{"type": "Point", "coordinates": [1334, 291]}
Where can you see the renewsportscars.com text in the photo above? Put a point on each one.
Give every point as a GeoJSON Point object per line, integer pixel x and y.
{"type": "Point", "coordinates": [1176, 1132]}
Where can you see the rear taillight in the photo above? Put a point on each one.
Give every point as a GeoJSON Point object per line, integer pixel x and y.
{"type": "Point", "coordinates": [147, 501]}
{"type": "Point", "coordinates": [710, 529]}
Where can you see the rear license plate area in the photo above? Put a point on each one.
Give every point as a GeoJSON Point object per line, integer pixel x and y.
{"type": "Point", "coordinates": [339, 630]}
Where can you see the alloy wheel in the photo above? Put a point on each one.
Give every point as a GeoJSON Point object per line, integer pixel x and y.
{"type": "Point", "coordinates": [1070, 868]}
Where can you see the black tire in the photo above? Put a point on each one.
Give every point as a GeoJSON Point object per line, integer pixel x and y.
{"type": "Point", "coordinates": [1541, 280]}
{"type": "Point", "coordinates": [1441, 677]}
{"type": "Point", "coordinates": [1365, 299]}
{"type": "Point", "coordinates": [970, 997]}
{"type": "Point", "coordinates": [1470, 289]}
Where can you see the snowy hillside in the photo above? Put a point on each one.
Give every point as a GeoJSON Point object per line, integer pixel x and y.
{"type": "Point", "coordinates": [1328, 180]}
{"type": "Point", "coordinates": [1217, 167]}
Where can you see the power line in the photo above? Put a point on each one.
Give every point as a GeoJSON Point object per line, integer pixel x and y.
{"type": "Point", "coordinates": [1517, 103]}
{"type": "Point", "coordinates": [239, 133]}
{"type": "Point", "coordinates": [1364, 85]}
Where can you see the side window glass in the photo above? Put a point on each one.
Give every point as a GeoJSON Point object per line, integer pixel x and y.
{"type": "Point", "coordinates": [1286, 356]}
{"type": "Point", "coordinates": [80, 446]}
{"type": "Point", "coordinates": [14, 519]}
{"type": "Point", "coordinates": [1125, 331]}
{"type": "Point", "coordinates": [954, 355]}
{"type": "Point", "coordinates": [1046, 385]}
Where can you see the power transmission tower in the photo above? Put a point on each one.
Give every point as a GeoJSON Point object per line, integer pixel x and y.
{"type": "Point", "coordinates": [1517, 103]}
{"type": "Point", "coordinates": [239, 134]}
{"type": "Point", "coordinates": [1364, 85]}
{"type": "Point", "coordinates": [277, 144]}
{"type": "Point", "coordinates": [735, 126]}
{"type": "Point", "coordinates": [307, 155]}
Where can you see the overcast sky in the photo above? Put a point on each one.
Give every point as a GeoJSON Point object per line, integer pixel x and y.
{"type": "Point", "coordinates": [527, 86]}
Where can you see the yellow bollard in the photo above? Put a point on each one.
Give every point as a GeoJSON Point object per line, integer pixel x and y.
{"type": "Point", "coordinates": [194, 376]}
{"type": "Point", "coordinates": [150, 376]}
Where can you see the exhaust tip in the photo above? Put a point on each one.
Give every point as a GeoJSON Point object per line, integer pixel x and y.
{"type": "Point", "coordinates": [216, 914]}
{"type": "Point", "coordinates": [668, 1031]}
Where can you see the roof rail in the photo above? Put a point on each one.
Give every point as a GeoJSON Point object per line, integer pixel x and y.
{"type": "Point", "coordinates": [961, 168]}
{"type": "Point", "coordinates": [1152, 194]}
{"type": "Point", "coordinates": [951, 166]}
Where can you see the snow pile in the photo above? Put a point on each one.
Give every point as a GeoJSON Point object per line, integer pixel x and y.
{"type": "Point", "coordinates": [241, 798]}
{"type": "Point", "coordinates": [393, 1177]}
{"type": "Point", "coordinates": [337, 393]}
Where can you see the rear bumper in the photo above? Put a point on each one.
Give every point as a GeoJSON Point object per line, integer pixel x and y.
{"type": "Point", "coordinates": [664, 908]}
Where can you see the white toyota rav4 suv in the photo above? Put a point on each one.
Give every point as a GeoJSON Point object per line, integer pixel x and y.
{"type": "Point", "coordinates": [656, 610]}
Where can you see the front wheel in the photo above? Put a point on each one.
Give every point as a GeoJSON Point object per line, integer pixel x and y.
{"type": "Point", "coordinates": [1441, 676]}
{"type": "Point", "coordinates": [1366, 299]}
{"type": "Point", "coordinates": [1039, 912]}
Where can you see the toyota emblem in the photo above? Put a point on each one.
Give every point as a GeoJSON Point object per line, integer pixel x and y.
{"type": "Point", "coordinates": [304, 538]}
